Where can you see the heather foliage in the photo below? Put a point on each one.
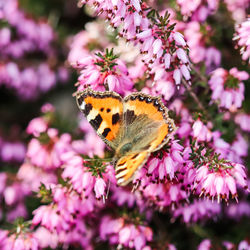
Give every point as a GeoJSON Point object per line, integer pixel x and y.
{"type": "Point", "coordinates": [57, 183]}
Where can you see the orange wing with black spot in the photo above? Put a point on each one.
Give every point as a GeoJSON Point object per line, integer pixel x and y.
{"type": "Point", "coordinates": [104, 111]}
{"type": "Point", "coordinates": [140, 104]}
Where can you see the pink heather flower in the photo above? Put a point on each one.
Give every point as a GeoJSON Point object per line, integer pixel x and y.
{"type": "Point", "coordinates": [220, 181]}
{"type": "Point", "coordinates": [198, 10]}
{"type": "Point", "coordinates": [243, 245]}
{"type": "Point", "coordinates": [81, 178]}
{"type": "Point", "coordinates": [137, 29]}
{"type": "Point", "coordinates": [18, 211]}
{"type": "Point", "coordinates": [94, 33]}
{"type": "Point", "coordinates": [116, 79]}
{"type": "Point", "coordinates": [238, 9]}
{"type": "Point", "coordinates": [37, 126]}
{"type": "Point", "coordinates": [201, 132]}
{"type": "Point", "coordinates": [46, 238]}
{"type": "Point", "coordinates": [13, 194]}
{"type": "Point", "coordinates": [167, 165]}
{"type": "Point", "coordinates": [196, 41]}
{"type": "Point", "coordinates": [47, 107]}
{"type": "Point", "coordinates": [239, 210]}
{"type": "Point", "coordinates": [199, 210]}
{"type": "Point", "coordinates": [99, 187]}
{"type": "Point", "coordinates": [12, 151]}
{"type": "Point", "coordinates": [36, 176]}
{"type": "Point", "coordinates": [21, 241]}
{"type": "Point", "coordinates": [48, 156]}
{"type": "Point", "coordinates": [242, 37]}
{"type": "Point", "coordinates": [228, 88]}
{"type": "Point", "coordinates": [205, 245]}
{"type": "Point", "coordinates": [162, 194]}
{"type": "Point", "coordinates": [165, 88]}
{"type": "Point", "coordinates": [238, 149]}
{"type": "Point", "coordinates": [123, 197]}
{"type": "Point", "coordinates": [243, 120]}
{"type": "Point", "coordinates": [117, 231]}
{"type": "Point", "coordinates": [235, 152]}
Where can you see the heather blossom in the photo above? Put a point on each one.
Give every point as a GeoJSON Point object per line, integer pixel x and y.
{"type": "Point", "coordinates": [154, 37]}
{"type": "Point", "coordinates": [197, 35]}
{"type": "Point", "coordinates": [198, 10]}
{"type": "Point", "coordinates": [198, 210]}
{"type": "Point", "coordinates": [243, 120]}
{"type": "Point", "coordinates": [220, 180]}
{"type": "Point", "coordinates": [242, 38]}
{"type": "Point", "coordinates": [104, 72]}
{"type": "Point", "coordinates": [46, 150]}
{"type": "Point", "coordinates": [118, 231]}
{"type": "Point", "coordinates": [21, 37]}
{"type": "Point", "coordinates": [227, 87]}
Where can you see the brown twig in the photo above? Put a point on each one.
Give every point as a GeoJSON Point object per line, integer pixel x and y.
{"type": "Point", "coordinates": [191, 92]}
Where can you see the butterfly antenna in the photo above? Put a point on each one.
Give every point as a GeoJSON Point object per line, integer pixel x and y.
{"type": "Point", "coordinates": [103, 160]}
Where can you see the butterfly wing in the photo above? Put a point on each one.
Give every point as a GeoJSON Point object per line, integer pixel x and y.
{"type": "Point", "coordinates": [127, 166]}
{"type": "Point", "coordinates": [147, 118]}
{"type": "Point", "coordinates": [103, 111]}
{"type": "Point", "coordinates": [147, 128]}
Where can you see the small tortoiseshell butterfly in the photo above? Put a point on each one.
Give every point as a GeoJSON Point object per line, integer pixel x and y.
{"type": "Point", "coordinates": [133, 126]}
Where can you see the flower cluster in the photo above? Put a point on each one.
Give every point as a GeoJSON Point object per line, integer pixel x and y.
{"type": "Point", "coordinates": [161, 46]}
{"type": "Point", "coordinates": [227, 87]}
{"type": "Point", "coordinates": [242, 38]}
{"type": "Point", "coordinates": [20, 38]}
{"type": "Point", "coordinates": [126, 234]}
{"type": "Point", "coordinates": [104, 71]}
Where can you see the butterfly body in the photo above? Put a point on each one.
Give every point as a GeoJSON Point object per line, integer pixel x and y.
{"type": "Point", "coordinates": [134, 127]}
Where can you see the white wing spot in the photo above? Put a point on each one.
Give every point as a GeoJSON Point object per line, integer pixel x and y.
{"type": "Point", "coordinates": [82, 106]}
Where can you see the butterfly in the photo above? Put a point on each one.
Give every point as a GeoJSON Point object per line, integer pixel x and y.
{"type": "Point", "coordinates": [134, 127]}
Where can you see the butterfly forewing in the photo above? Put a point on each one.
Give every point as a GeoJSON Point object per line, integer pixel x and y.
{"type": "Point", "coordinates": [103, 111]}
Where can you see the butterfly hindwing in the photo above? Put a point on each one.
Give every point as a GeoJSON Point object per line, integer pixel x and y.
{"type": "Point", "coordinates": [127, 166]}
{"type": "Point", "coordinates": [103, 111]}
{"type": "Point", "coordinates": [152, 115]}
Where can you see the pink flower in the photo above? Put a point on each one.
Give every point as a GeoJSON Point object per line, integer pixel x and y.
{"type": "Point", "coordinates": [12, 151]}
{"type": "Point", "coordinates": [36, 176]}
{"type": "Point", "coordinates": [99, 188]}
{"type": "Point", "coordinates": [198, 210]}
{"type": "Point", "coordinates": [243, 120]}
{"type": "Point", "coordinates": [167, 165]}
{"type": "Point", "coordinates": [22, 241]}
{"type": "Point", "coordinates": [220, 181]}
{"type": "Point", "coordinates": [201, 131]}
{"type": "Point", "coordinates": [139, 30]}
{"type": "Point", "coordinates": [228, 88]}
{"type": "Point", "coordinates": [242, 37]}
{"type": "Point", "coordinates": [37, 126]}
{"type": "Point", "coordinates": [115, 74]}
{"type": "Point", "coordinates": [117, 231]}
{"type": "Point", "coordinates": [196, 40]}
{"type": "Point", "coordinates": [205, 245]}
{"type": "Point", "coordinates": [48, 155]}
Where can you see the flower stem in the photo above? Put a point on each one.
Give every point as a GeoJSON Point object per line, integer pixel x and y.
{"type": "Point", "coordinates": [191, 92]}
